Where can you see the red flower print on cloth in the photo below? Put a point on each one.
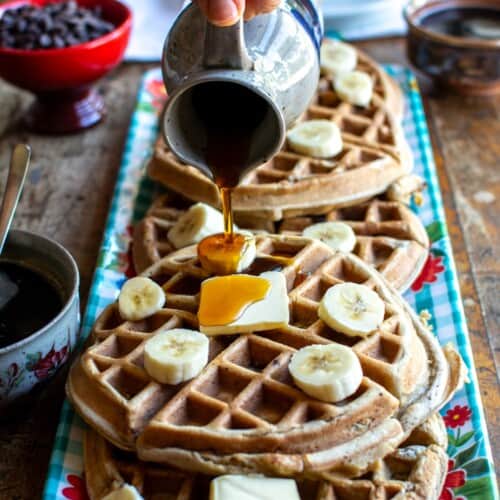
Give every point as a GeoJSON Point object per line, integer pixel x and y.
{"type": "Point", "coordinates": [157, 90]}
{"type": "Point", "coordinates": [123, 261]}
{"type": "Point", "coordinates": [457, 416]}
{"type": "Point", "coordinates": [454, 479]}
{"type": "Point", "coordinates": [47, 365]}
{"type": "Point", "coordinates": [130, 271]}
{"type": "Point", "coordinates": [77, 490]}
{"type": "Point", "coordinates": [432, 268]}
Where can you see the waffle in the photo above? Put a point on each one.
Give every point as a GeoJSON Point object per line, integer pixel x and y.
{"type": "Point", "coordinates": [375, 154]}
{"type": "Point", "coordinates": [389, 235]}
{"type": "Point", "coordinates": [416, 470]}
{"type": "Point", "coordinates": [243, 412]}
{"type": "Point", "coordinates": [377, 125]}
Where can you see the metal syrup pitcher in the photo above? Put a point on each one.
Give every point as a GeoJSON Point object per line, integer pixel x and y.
{"type": "Point", "coordinates": [274, 56]}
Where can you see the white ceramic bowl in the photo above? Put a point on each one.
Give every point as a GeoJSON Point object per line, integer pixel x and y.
{"type": "Point", "coordinates": [36, 358]}
{"type": "Point", "coordinates": [361, 19]}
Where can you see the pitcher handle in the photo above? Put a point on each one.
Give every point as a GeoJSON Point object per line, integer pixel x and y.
{"type": "Point", "coordinates": [225, 47]}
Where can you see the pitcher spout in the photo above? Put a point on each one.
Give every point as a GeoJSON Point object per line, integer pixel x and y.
{"type": "Point", "coordinates": [262, 72]}
{"type": "Point", "coordinates": [195, 111]}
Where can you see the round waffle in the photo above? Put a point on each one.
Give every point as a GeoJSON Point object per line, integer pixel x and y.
{"type": "Point", "coordinates": [243, 412]}
{"type": "Point", "coordinates": [416, 470]}
{"type": "Point", "coordinates": [389, 235]}
{"type": "Point", "coordinates": [374, 155]}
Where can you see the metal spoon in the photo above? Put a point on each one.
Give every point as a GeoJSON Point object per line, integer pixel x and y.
{"type": "Point", "coordinates": [19, 163]}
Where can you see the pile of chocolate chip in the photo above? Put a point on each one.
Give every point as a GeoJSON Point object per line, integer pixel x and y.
{"type": "Point", "coordinates": [55, 25]}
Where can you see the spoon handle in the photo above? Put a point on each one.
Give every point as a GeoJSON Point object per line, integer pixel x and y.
{"type": "Point", "coordinates": [19, 163]}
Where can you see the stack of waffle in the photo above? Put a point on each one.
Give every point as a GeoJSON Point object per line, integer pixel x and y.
{"type": "Point", "coordinates": [243, 414]}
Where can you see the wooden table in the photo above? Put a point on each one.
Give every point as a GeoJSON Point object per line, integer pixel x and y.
{"type": "Point", "coordinates": [72, 178]}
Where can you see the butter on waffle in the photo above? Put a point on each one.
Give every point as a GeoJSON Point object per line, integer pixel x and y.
{"type": "Point", "coordinates": [389, 235]}
{"type": "Point", "coordinates": [374, 155]}
{"type": "Point", "coordinates": [243, 412]}
{"type": "Point", "coordinates": [416, 470]}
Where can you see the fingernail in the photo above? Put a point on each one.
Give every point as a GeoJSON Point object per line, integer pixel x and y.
{"type": "Point", "coordinates": [223, 12]}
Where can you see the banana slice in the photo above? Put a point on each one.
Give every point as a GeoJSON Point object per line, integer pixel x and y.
{"type": "Point", "coordinates": [355, 87]}
{"type": "Point", "coordinates": [336, 235]}
{"type": "Point", "coordinates": [317, 138]}
{"type": "Point", "coordinates": [176, 355]}
{"type": "Point", "coordinates": [253, 487]}
{"type": "Point", "coordinates": [222, 258]}
{"type": "Point", "coordinates": [200, 221]}
{"type": "Point", "coordinates": [125, 492]}
{"type": "Point", "coordinates": [352, 309]}
{"type": "Point", "coordinates": [140, 298]}
{"type": "Point", "coordinates": [329, 372]}
{"type": "Point", "coordinates": [248, 255]}
{"type": "Point", "coordinates": [338, 58]}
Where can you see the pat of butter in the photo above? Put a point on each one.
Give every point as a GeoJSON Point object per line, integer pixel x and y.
{"type": "Point", "coordinates": [125, 492]}
{"type": "Point", "coordinates": [253, 488]}
{"type": "Point", "coordinates": [266, 314]}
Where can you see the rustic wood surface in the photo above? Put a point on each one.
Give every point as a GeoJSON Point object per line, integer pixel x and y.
{"type": "Point", "coordinates": [69, 190]}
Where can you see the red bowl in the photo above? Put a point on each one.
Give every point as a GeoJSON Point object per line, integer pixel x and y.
{"type": "Point", "coordinates": [62, 77]}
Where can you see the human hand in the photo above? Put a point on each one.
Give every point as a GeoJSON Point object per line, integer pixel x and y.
{"type": "Point", "coordinates": [227, 12]}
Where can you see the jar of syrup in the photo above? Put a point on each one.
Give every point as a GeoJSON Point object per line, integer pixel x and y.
{"type": "Point", "coordinates": [242, 85]}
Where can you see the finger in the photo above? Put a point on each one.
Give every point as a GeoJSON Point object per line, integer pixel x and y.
{"type": "Point", "coordinates": [256, 7]}
{"type": "Point", "coordinates": [222, 12]}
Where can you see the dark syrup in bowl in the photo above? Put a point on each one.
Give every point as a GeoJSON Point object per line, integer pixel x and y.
{"type": "Point", "coordinates": [28, 302]}
{"type": "Point", "coordinates": [465, 22]}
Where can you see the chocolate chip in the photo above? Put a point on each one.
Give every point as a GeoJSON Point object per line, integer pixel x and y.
{"type": "Point", "coordinates": [34, 28]}
{"type": "Point", "coordinates": [21, 25]}
{"type": "Point", "coordinates": [45, 40]}
{"type": "Point", "coordinates": [59, 28]}
{"type": "Point", "coordinates": [8, 41]}
{"type": "Point", "coordinates": [71, 40]}
{"type": "Point", "coordinates": [46, 23]}
{"type": "Point", "coordinates": [7, 19]}
{"type": "Point", "coordinates": [55, 25]}
{"type": "Point", "coordinates": [58, 42]}
{"type": "Point", "coordinates": [81, 35]}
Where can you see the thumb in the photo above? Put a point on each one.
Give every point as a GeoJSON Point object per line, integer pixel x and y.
{"type": "Point", "coordinates": [222, 12]}
{"type": "Point", "coordinates": [256, 7]}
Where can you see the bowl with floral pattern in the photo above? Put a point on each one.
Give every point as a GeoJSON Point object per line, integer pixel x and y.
{"type": "Point", "coordinates": [36, 358]}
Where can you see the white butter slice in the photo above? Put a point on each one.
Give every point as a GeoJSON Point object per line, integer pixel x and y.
{"type": "Point", "coordinates": [253, 488]}
{"type": "Point", "coordinates": [126, 492]}
{"type": "Point", "coordinates": [266, 314]}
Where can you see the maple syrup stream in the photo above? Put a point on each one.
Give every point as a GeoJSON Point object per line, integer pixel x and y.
{"type": "Point", "coordinates": [231, 115]}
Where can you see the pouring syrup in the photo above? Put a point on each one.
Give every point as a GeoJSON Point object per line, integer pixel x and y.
{"type": "Point", "coordinates": [231, 114]}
